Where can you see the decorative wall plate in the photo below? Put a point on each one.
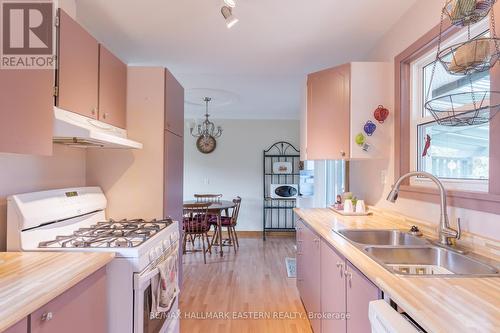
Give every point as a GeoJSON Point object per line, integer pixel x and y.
{"type": "Point", "coordinates": [282, 167]}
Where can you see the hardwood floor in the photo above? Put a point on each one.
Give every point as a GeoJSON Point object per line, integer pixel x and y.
{"type": "Point", "coordinates": [252, 283]}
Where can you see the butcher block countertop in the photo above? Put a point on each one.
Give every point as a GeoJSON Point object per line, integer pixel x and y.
{"type": "Point", "coordinates": [437, 304]}
{"type": "Point", "coordinates": [29, 280]}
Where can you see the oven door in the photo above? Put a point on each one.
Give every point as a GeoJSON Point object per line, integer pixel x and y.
{"type": "Point", "coordinates": [146, 319]}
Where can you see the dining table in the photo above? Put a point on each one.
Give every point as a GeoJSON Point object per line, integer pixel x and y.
{"type": "Point", "coordinates": [217, 208]}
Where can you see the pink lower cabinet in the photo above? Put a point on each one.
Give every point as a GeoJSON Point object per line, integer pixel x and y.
{"type": "Point", "coordinates": [310, 285]}
{"type": "Point", "coordinates": [300, 261]}
{"type": "Point", "coordinates": [333, 290]}
{"type": "Point", "coordinates": [81, 309]}
{"type": "Point", "coordinates": [360, 292]}
{"type": "Point", "coordinates": [335, 294]}
{"type": "Point", "coordinates": [20, 327]}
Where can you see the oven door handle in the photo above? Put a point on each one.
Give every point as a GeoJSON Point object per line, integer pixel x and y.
{"type": "Point", "coordinates": [143, 279]}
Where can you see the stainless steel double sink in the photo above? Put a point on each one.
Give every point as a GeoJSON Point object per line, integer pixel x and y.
{"type": "Point", "coordinates": [405, 254]}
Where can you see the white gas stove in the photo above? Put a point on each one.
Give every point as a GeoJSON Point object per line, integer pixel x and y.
{"type": "Point", "coordinates": [74, 220]}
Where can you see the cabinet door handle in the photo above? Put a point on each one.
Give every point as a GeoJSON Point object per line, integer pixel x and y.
{"type": "Point", "coordinates": [349, 277]}
{"type": "Point", "coordinates": [342, 153]}
{"type": "Point", "coordinates": [104, 115]}
{"type": "Point", "coordinates": [93, 111]}
{"type": "Point", "coordinates": [47, 316]}
{"type": "Point", "coordinates": [340, 266]}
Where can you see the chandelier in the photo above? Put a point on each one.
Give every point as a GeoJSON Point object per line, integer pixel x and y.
{"type": "Point", "coordinates": [206, 128]}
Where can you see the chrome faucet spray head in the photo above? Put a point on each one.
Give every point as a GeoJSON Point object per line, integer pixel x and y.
{"type": "Point", "coordinates": [393, 195]}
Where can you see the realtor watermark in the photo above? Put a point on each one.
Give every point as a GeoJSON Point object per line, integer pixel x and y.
{"type": "Point", "coordinates": [27, 34]}
{"type": "Point", "coordinates": [251, 315]}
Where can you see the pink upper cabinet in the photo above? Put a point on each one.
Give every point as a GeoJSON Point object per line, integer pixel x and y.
{"type": "Point", "coordinates": [174, 105]}
{"type": "Point", "coordinates": [26, 111]}
{"type": "Point", "coordinates": [112, 89]}
{"type": "Point", "coordinates": [328, 114]}
{"type": "Point", "coordinates": [340, 101]}
{"type": "Point", "coordinates": [78, 72]}
{"type": "Point", "coordinates": [174, 169]}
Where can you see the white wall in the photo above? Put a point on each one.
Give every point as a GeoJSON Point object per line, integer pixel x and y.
{"type": "Point", "coordinates": [366, 177]}
{"type": "Point", "coordinates": [30, 173]}
{"type": "Point", "coordinates": [235, 167]}
{"type": "Point", "coordinates": [132, 180]}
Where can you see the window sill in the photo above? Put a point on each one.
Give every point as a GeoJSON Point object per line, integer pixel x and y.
{"type": "Point", "coordinates": [458, 185]}
{"type": "Point", "coordinates": [479, 201]}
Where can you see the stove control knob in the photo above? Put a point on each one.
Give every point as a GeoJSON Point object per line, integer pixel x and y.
{"type": "Point", "coordinates": [159, 251]}
{"type": "Point", "coordinates": [166, 244]}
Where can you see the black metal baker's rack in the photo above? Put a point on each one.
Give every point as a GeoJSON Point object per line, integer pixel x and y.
{"type": "Point", "coordinates": [278, 213]}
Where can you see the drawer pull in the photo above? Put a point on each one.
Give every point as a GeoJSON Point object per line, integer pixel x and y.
{"type": "Point", "coordinates": [47, 316]}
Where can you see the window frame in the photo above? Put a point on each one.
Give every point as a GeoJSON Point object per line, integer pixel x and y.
{"type": "Point", "coordinates": [419, 117]}
{"type": "Point", "coordinates": [475, 200]}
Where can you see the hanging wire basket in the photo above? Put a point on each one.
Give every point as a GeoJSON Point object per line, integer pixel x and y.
{"type": "Point", "coordinates": [465, 109]}
{"type": "Point", "coordinates": [473, 56]}
{"type": "Point", "coordinates": [466, 12]}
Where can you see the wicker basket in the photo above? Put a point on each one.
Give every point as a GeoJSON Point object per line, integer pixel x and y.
{"type": "Point", "coordinates": [467, 12]}
{"type": "Point", "coordinates": [477, 55]}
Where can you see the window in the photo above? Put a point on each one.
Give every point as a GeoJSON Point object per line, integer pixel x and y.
{"type": "Point", "coordinates": [457, 155]}
{"type": "Point", "coordinates": [335, 180]}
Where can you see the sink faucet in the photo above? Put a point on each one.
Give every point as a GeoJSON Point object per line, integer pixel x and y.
{"type": "Point", "coordinates": [446, 233]}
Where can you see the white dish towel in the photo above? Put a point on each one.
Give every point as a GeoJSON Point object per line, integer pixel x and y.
{"type": "Point", "coordinates": [165, 286]}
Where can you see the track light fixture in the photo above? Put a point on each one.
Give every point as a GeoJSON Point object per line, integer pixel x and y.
{"type": "Point", "coordinates": [227, 12]}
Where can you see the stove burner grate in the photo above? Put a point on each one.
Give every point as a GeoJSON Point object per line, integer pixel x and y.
{"type": "Point", "coordinates": [111, 234]}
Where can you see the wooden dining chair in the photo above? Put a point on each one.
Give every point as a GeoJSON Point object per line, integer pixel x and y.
{"type": "Point", "coordinates": [195, 224]}
{"type": "Point", "coordinates": [230, 223]}
{"type": "Point", "coordinates": [213, 198]}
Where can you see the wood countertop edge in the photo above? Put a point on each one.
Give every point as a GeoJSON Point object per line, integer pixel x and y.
{"type": "Point", "coordinates": [28, 306]}
{"type": "Point", "coordinates": [385, 280]}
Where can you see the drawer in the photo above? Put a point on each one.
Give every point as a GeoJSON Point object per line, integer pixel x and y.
{"type": "Point", "coordinates": [81, 309]}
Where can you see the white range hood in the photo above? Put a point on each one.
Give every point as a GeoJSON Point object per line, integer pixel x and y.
{"type": "Point", "coordinates": [78, 131]}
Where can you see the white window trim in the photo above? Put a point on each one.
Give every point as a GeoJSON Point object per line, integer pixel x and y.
{"type": "Point", "coordinates": [417, 118]}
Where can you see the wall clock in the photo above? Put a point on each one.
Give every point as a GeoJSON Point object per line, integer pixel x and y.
{"type": "Point", "coordinates": [206, 144]}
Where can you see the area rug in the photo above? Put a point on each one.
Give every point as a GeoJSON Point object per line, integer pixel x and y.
{"type": "Point", "coordinates": [291, 267]}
